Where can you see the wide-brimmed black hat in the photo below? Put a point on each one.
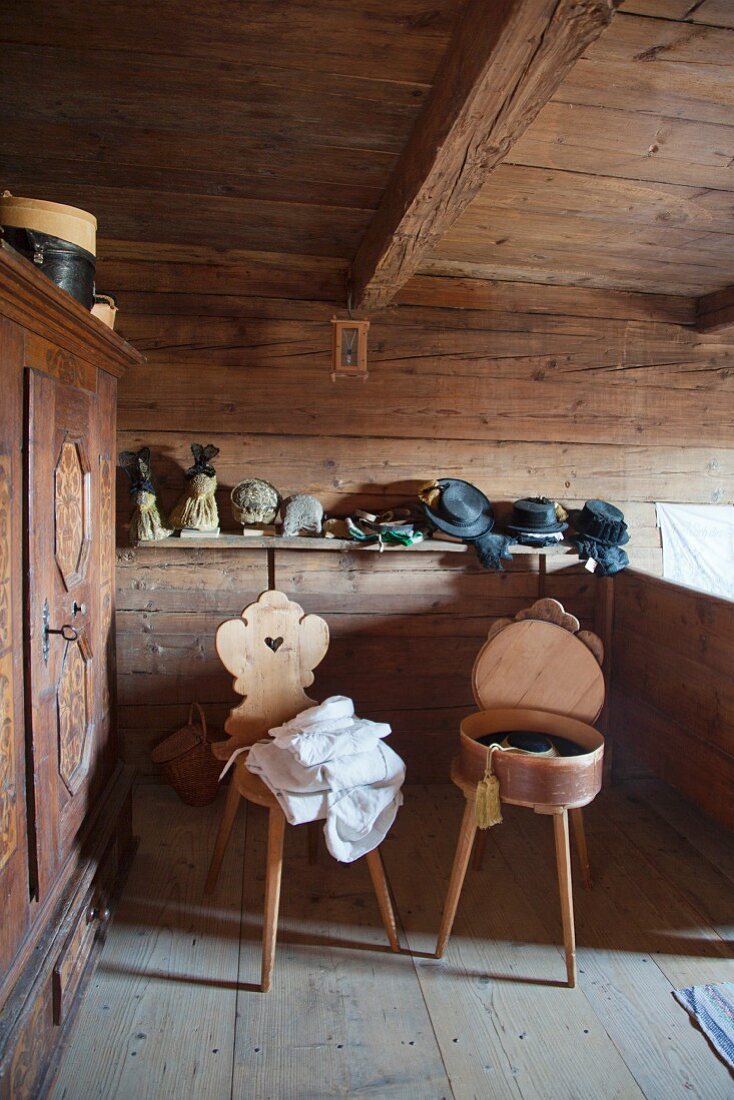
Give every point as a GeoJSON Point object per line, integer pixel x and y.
{"type": "Point", "coordinates": [535, 516]}
{"type": "Point", "coordinates": [601, 522]}
{"type": "Point", "coordinates": [457, 508]}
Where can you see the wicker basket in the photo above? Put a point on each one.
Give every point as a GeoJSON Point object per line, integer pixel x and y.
{"type": "Point", "coordinates": [187, 763]}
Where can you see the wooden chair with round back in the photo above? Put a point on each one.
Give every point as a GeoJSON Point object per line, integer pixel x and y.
{"type": "Point", "coordinates": [540, 673]}
{"type": "Point", "coordinates": [272, 650]}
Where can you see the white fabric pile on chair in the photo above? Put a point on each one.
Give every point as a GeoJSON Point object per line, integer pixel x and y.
{"type": "Point", "coordinates": [327, 763]}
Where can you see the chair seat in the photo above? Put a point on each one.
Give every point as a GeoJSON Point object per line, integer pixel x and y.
{"type": "Point", "coordinates": [251, 786]}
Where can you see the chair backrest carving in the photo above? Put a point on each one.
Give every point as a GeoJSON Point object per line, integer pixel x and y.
{"type": "Point", "coordinates": [271, 651]}
{"type": "Point", "coordinates": [541, 660]}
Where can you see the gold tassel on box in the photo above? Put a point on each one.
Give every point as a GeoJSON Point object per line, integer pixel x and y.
{"type": "Point", "coordinates": [146, 522]}
{"type": "Point", "coordinates": [488, 807]}
{"type": "Point", "coordinates": [197, 509]}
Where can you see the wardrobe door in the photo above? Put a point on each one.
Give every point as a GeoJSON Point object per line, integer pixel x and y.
{"type": "Point", "coordinates": [69, 539]}
{"type": "Point", "coordinates": [14, 890]}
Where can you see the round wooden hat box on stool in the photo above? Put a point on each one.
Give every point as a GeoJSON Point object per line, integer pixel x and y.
{"type": "Point", "coordinates": [539, 673]}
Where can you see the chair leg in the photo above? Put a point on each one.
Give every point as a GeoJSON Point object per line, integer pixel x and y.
{"type": "Point", "coordinates": [273, 873]}
{"type": "Point", "coordinates": [480, 845]}
{"type": "Point", "coordinates": [231, 807]}
{"type": "Point", "coordinates": [563, 865]}
{"type": "Point", "coordinates": [313, 829]}
{"type": "Point", "coordinates": [458, 873]}
{"type": "Point", "coordinates": [382, 893]}
{"type": "Point", "coordinates": [579, 836]}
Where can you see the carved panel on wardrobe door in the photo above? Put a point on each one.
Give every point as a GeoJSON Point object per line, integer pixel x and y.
{"type": "Point", "coordinates": [73, 702]}
{"type": "Point", "coordinates": [72, 512]}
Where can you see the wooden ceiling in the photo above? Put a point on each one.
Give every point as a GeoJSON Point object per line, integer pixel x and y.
{"type": "Point", "coordinates": [276, 126]}
{"type": "Point", "coordinates": [626, 178]}
{"type": "Point", "coordinates": [270, 125]}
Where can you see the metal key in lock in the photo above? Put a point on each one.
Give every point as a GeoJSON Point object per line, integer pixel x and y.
{"type": "Point", "coordinates": [68, 632]}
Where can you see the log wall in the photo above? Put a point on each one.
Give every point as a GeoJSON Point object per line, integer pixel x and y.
{"type": "Point", "coordinates": [524, 390]}
{"type": "Point", "coordinates": [673, 688]}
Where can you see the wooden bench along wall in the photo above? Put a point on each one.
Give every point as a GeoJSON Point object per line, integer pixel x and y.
{"type": "Point", "coordinates": [521, 389]}
{"type": "Point", "coordinates": [673, 688]}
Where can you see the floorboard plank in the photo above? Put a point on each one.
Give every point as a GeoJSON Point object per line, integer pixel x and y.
{"type": "Point", "coordinates": [507, 1025]}
{"type": "Point", "coordinates": [707, 888]}
{"type": "Point", "coordinates": [157, 1021]}
{"type": "Point", "coordinates": [631, 952]}
{"type": "Point", "coordinates": [705, 835]}
{"type": "Point", "coordinates": [172, 1010]}
{"type": "Point", "coordinates": [345, 1016]}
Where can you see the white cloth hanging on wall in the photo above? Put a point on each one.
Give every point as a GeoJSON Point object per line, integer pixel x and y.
{"type": "Point", "coordinates": [698, 546]}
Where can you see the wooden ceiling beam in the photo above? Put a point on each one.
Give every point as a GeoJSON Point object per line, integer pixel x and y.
{"type": "Point", "coordinates": [503, 63]}
{"type": "Point", "coordinates": [715, 311]}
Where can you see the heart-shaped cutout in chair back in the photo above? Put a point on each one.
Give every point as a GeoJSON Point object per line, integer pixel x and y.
{"type": "Point", "coordinates": [274, 643]}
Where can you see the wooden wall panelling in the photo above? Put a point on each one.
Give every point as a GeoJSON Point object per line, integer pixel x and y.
{"type": "Point", "coordinates": [405, 633]}
{"type": "Point", "coordinates": [400, 404]}
{"type": "Point", "coordinates": [378, 472]}
{"type": "Point", "coordinates": [487, 381]}
{"type": "Point", "coordinates": [673, 703]}
{"type": "Point", "coordinates": [436, 382]}
{"type": "Point", "coordinates": [168, 611]}
{"type": "Point", "coordinates": [405, 630]}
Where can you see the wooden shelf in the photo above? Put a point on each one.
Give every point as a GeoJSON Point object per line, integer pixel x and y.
{"type": "Point", "coordinates": [278, 542]}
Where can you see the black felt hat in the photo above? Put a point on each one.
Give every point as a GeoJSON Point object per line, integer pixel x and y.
{"type": "Point", "coordinates": [535, 516]}
{"type": "Point", "coordinates": [601, 522]}
{"type": "Point", "coordinates": [457, 508]}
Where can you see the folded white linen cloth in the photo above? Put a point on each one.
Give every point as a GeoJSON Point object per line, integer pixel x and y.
{"type": "Point", "coordinates": [357, 792]}
{"type": "Point", "coordinates": [328, 730]}
{"type": "Point", "coordinates": [341, 773]}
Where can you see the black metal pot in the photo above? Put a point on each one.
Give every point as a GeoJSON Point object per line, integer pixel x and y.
{"type": "Point", "coordinates": [68, 265]}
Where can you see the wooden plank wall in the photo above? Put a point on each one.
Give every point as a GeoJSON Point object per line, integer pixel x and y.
{"type": "Point", "coordinates": [673, 696]}
{"type": "Point", "coordinates": [523, 390]}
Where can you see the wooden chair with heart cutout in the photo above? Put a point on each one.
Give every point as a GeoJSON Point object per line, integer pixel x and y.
{"type": "Point", "coordinates": [272, 650]}
{"type": "Point", "coordinates": [538, 674]}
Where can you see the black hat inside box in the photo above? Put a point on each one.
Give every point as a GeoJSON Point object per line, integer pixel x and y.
{"type": "Point", "coordinates": [601, 522]}
{"type": "Point", "coordinates": [458, 508]}
{"type": "Point", "coordinates": [535, 516]}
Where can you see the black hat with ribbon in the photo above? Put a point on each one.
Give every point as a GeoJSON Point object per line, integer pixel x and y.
{"type": "Point", "coordinates": [535, 516]}
{"type": "Point", "coordinates": [460, 509]}
{"type": "Point", "coordinates": [457, 508]}
{"type": "Point", "coordinates": [601, 522]}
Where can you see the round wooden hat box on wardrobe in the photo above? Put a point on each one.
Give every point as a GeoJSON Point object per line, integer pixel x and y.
{"type": "Point", "coordinates": [61, 240]}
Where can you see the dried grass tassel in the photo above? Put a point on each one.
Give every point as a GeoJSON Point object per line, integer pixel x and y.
{"type": "Point", "coordinates": [197, 508]}
{"type": "Point", "coordinates": [487, 807]}
{"type": "Point", "coordinates": [146, 522]}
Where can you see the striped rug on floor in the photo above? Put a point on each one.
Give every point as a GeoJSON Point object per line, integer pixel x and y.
{"type": "Point", "coordinates": [712, 1006]}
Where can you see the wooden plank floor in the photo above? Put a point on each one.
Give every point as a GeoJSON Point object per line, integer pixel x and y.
{"type": "Point", "coordinates": [172, 1010]}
